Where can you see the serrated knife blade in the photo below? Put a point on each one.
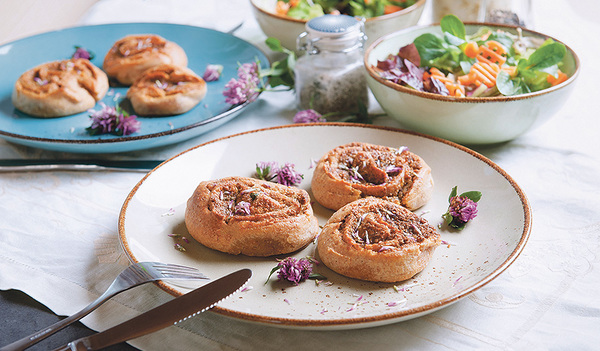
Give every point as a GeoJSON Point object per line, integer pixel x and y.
{"type": "Point", "coordinates": [167, 314]}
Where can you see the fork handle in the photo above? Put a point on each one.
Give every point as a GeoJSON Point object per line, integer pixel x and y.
{"type": "Point", "coordinates": [40, 335]}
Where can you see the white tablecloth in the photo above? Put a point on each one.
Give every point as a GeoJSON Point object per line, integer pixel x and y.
{"type": "Point", "coordinates": [58, 230]}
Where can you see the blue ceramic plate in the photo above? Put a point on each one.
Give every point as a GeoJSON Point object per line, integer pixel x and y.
{"type": "Point", "coordinates": [203, 46]}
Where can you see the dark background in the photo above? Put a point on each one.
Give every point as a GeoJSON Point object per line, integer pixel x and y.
{"type": "Point", "coordinates": [21, 315]}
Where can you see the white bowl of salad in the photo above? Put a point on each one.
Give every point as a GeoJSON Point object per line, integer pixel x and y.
{"type": "Point", "coordinates": [473, 83]}
{"type": "Point", "coordinates": [286, 19]}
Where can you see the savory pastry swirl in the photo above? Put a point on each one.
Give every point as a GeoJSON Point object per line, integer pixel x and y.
{"type": "Point", "coordinates": [166, 90]}
{"type": "Point", "coordinates": [60, 88]}
{"type": "Point", "coordinates": [130, 56]}
{"type": "Point", "coordinates": [248, 216]}
{"type": "Point", "coordinates": [357, 170]}
{"type": "Point", "coordinates": [377, 240]}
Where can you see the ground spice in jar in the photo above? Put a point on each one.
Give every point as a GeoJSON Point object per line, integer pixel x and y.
{"type": "Point", "coordinates": [330, 76]}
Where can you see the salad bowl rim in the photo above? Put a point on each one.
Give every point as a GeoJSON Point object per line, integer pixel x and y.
{"type": "Point", "coordinates": [416, 5]}
{"type": "Point", "coordinates": [467, 99]}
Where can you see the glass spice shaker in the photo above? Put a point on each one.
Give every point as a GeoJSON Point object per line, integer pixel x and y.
{"type": "Point", "coordinates": [330, 75]}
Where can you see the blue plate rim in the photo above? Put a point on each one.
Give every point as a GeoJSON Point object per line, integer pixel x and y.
{"type": "Point", "coordinates": [235, 109]}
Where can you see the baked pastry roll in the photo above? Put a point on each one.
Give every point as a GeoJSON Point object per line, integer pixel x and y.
{"type": "Point", "coordinates": [60, 88]}
{"type": "Point", "coordinates": [239, 215]}
{"type": "Point", "coordinates": [132, 55]}
{"type": "Point", "coordinates": [377, 240]}
{"type": "Point", "coordinates": [357, 170]}
{"type": "Point", "coordinates": [166, 90]}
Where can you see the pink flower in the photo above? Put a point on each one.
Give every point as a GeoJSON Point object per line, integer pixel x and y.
{"type": "Point", "coordinates": [287, 175]}
{"type": "Point", "coordinates": [294, 270]}
{"type": "Point", "coordinates": [308, 116]}
{"type": "Point", "coordinates": [462, 209]}
{"type": "Point", "coordinates": [246, 87]}
{"type": "Point", "coordinates": [112, 120]}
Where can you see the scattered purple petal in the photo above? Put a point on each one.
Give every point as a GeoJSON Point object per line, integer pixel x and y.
{"type": "Point", "coordinates": [242, 208]}
{"type": "Point", "coordinates": [308, 116]}
{"type": "Point", "coordinates": [396, 303]}
{"type": "Point", "coordinates": [81, 53]}
{"type": "Point", "coordinates": [212, 73]}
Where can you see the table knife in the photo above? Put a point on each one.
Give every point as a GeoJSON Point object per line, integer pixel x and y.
{"type": "Point", "coordinates": [170, 313]}
{"type": "Point", "coordinates": [20, 165]}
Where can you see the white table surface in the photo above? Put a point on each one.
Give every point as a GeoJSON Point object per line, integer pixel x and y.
{"type": "Point", "coordinates": [58, 230]}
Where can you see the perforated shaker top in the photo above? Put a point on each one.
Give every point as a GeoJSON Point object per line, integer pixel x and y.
{"type": "Point", "coordinates": [335, 32]}
{"type": "Point", "coordinates": [333, 25]}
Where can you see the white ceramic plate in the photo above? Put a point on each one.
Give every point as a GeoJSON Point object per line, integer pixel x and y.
{"type": "Point", "coordinates": [486, 247]}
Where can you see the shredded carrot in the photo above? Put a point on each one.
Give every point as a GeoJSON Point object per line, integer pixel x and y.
{"type": "Point", "coordinates": [454, 89]}
{"type": "Point", "coordinates": [282, 8]}
{"type": "Point", "coordinates": [487, 55]}
{"type": "Point", "coordinates": [496, 47]}
{"type": "Point", "coordinates": [387, 9]}
{"type": "Point", "coordinates": [557, 80]}
{"type": "Point", "coordinates": [294, 3]}
{"type": "Point", "coordinates": [471, 49]}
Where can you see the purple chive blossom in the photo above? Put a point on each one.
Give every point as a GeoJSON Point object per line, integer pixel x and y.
{"type": "Point", "coordinates": [294, 270]}
{"type": "Point", "coordinates": [462, 209]}
{"type": "Point", "coordinates": [287, 175]}
{"type": "Point", "coordinates": [242, 208]}
{"type": "Point", "coordinates": [81, 53]}
{"type": "Point", "coordinates": [212, 73]}
{"type": "Point", "coordinates": [127, 124]}
{"type": "Point", "coordinates": [112, 120]}
{"type": "Point", "coordinates": [308, 116]}
{"type": "Point", "coordinates": [246, 87]}
{"type": "Point", "coordinates": [266, 170]}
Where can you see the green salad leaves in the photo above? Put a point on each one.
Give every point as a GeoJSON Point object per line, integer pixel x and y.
{"type": "Point", "coordinates": [527, 64]}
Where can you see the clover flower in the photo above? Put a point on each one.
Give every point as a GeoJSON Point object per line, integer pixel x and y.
{"type": "Point", "coordinates": [246, 87]}
{"type": "Point", "coordinates": [292, 270]}
{"type": "Point", "coordinates": [308, 116]}
{"type": "Point", "coordinates": [462, 208]}
{"type": "Point", "coordinates": [212, 73]}
{"type": "Point", "coordinates": [266, 170]}
{"type": "Point", "coordinates": [287, 175]}
{"type": "Point", "coordinates": [112, 120]}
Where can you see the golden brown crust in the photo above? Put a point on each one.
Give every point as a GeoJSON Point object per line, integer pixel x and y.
{"type": "Point", "coordinates": [60, 88]}
{"type": "Point", "coordinates": [130, 56]}
{"type": "Point", "coordinates": [248, 216]}
{"type": "Point", "coordinates": [166, 90]}
{"type": "Point", "coordinates": [377, 240]}
{"type": "Point", "coordinates": [357, 170]}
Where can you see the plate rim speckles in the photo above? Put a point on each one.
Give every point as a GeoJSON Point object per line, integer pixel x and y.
{"type": "Point", "coordinates": [515, 198]}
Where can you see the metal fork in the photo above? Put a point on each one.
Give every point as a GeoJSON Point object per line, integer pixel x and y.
{"type": "Point", "coordinates": [134, 275]}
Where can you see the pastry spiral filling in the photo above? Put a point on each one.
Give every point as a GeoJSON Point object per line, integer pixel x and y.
{"type": "Point", "coordinates": [135, 45]}
{"type": "Point", "coordinates": [167, 80]}
{"type": "Point", "coordinates": [374, 164]}
{"type": "Point", "coordinates": [248, 201]}
{"type": "Point", "coordinates": [381, 228]}
{"type": "Point", "coordinates": [51, 77]}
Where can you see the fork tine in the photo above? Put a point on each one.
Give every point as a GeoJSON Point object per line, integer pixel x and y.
{"type": "Point", "coordinates": [160, 265]}
{"type": "Point", "coordinates": [178, 271]}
